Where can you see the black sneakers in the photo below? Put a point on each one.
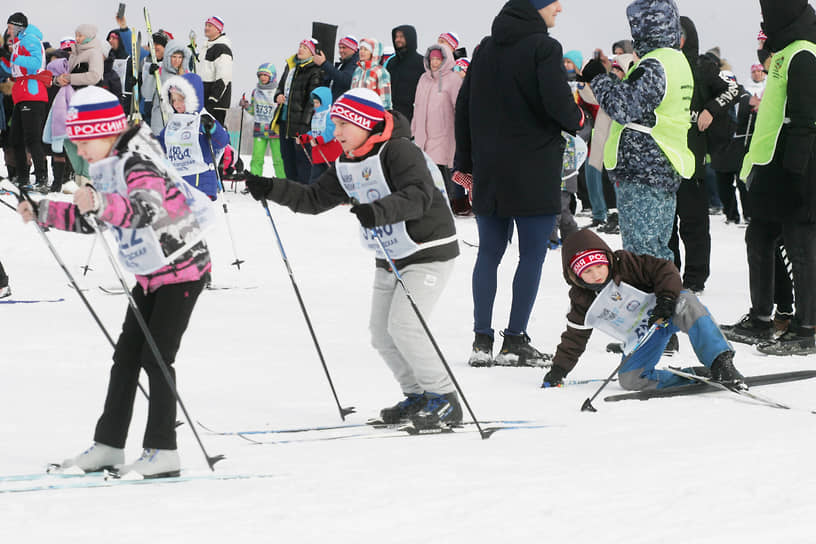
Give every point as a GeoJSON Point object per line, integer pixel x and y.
{"type": "Point", "coordinates": [795, 341]}
{"type": "Point", "coordinates": [749, 330]}
{"type": "Point", "coordinates": [723, 369]}
{"type": "Point", "coordinates": [439, 411]}
{"type": "Point", "coordinates": [517, 351]}
{"type": "Point", "coordinates": [403, 410]}
{"type": "Point", "coordinates": [482, 353]}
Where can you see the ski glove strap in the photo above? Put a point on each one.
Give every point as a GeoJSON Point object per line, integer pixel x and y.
{"type": "Point", "coordinates": [663, 310]}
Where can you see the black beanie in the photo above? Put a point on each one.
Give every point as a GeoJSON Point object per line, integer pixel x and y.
{"type": "Point", "coordinates": [18, 19]}
{"type": "Point", "coordinates": [160, 39]}
{"type": "Point", "coordinates": [779, 15]}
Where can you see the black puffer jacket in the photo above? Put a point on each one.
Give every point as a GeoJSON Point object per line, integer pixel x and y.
{"type": "Point", "coordinates": [512, 107]}
{"type": "Point", "coordinates": [785, 189]}
{"type": "Point", "coordinates": [405, 68]}
{"type": "Point", "coordinates": [308, 77]}
{"type": "Point", "coordinates": [413, 199]}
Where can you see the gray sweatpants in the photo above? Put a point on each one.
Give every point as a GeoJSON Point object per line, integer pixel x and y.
{"type": "Point", "coordinates": [396, 332]}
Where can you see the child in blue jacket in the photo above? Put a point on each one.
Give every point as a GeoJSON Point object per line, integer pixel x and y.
{"type": "Point", "coordinates": [192, 157]}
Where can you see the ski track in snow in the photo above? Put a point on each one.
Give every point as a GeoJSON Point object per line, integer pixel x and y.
{"type": "Point", "coordinates": [703, 469]}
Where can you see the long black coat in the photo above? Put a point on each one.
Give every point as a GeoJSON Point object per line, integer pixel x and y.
{"type": "Point", "coordinates": [785, 189]}
{"type": "Point", "coordinates": [308, 77]}
{"type": "Point", "coordinates": [512, 107]}
{"type": "Point", "coordinates": [405, 69]}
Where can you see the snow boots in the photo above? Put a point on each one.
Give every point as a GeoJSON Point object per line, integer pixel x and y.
{"type": "Point", "coordinates": [96, 458]}
{"type": "Point", "coordinates": [723, 369]}
{"type": "Point", "coordinates": [517, 351]}
{"type": "Point", "coordinates": [403, 410]}
{"type": "Point", "coordinates": [153, 463]}
{"type": "Point", "coordinates": [482, 353]}
{"type": "Point", "coordinates": [439, 411]}
{"type": "Point", "coordinates": [749, 330]}
{"type": "Point", "coordinates": [5, 291]}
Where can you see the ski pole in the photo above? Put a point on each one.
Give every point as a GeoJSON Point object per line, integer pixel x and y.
{"type": "Point", "coordinates": [237, 262]}
{"type": "Point", "coordinates": [151, 341]}
{"type": "Point", "coordinates": [343, 411]}
{"type": "Point", "coordinates": [587, 406]}
{"type": "Point", "coordinates": [484, 433]}
{"type": "Point", "coordinates": [71, 279]}
{"type": "Point", "coordinates": [241, 127]}
{"type": "Point", "coordinates": [88, 262]}
{"type": "Point", "coordinates": [153, 58]}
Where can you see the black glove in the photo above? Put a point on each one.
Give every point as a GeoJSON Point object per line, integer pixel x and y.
{"type": "Point", "coordinates": [152, 68]}
{"type": "Point", "coordinates": [591, 69]}
{"type": "Point", "coordinates": [663, 310]}
{"type": "Point", "coordinates": [365, 215]}
{"type": "Point", "coordinates": [208, 123]}
{"type": "Point", "coordinates": [258, 186]}
{"type": "Point", "coordinates": [555, 377]}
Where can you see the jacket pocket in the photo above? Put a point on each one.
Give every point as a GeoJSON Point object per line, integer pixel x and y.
{"type": "Point", "coordinates": [798, 148]}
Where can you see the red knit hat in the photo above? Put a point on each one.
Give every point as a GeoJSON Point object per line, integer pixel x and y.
{"type": "Point", "coordinates": [585, 259]}
{"type": "Point", "coordinates": [462, 65]}
{"type": "Point", "coordinates": [451, 39]}
{"type": "Point", "coordinates": [310, 44]}
{"type": "Point", "coordinates": [350, 41]}
{"type": "Point", "coordinates": [94, 113]}
{"type": "Point", "coordinates": [361, 107]}
{"type": "Point", "coordinates": [217, 22]}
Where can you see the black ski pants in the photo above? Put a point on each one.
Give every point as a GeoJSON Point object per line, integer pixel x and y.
{"type": "Point", "coordinates": [725, 186]}
{"type": "Point", "coordinates": [799, 239]}
{"type": "Point", "coordinates": [691, 224]}
{"type": "Point", "coordinates": [27, 122]}
{"type": "Point", "coordinates": [167, 312]}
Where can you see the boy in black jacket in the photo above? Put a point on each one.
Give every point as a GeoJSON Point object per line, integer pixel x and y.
{"type": "Point", "coordinates": [388, 180]}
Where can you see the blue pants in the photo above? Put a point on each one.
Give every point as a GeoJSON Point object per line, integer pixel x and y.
{"type": "Point", "coordinates": [494, 233]}
{"type": "Point", "coordinates": [691, 317]}
{"type": "Point", "coordinates": [296, 162]}
{"type": "Point", "coordinates": [594, 181]}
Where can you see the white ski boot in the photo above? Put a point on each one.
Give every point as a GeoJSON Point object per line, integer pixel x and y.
{"type": "Point", "coordinates": [96, 458]}
{"type": "Point", "coordinates": [153, 463]}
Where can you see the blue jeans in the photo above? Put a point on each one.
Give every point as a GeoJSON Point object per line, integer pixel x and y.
{"type": "Point", "coordinates": [594, 181]}
{"type": "Point", "coordinates": [494, 234]}
{"type": "Point", "coordinates": [691, 317]}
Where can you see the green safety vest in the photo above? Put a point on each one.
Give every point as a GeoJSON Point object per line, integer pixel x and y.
{"type": "Point", "coordinates": [673, 115]}
{"type": "Point", "coordinates": [771, 116]}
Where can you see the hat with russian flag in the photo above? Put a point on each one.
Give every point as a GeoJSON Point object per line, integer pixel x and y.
{"type": "Point", "coordinates": [350, 41]}
{"type": "Point", "coordinates": [451, 39]}
{"type": "Point", "coordinates": [586, 259]}
{"type": "Point", "coordinates": [361, 107]}
{"type": "Point", "coordinates": [94, 113]}
{"type": "Point", "coordinates": [217, 22]}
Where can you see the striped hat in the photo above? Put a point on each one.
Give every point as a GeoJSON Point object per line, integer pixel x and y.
{"type": "Point", "coordinates": [757, 68]}
{"type": "Point", "coordinates": [269, 69]}
{"type": "Point", "coordinates": [462, 65]}
{"type": "Point", "coordinates": [217, 22]}
{"type": "Point", "coordinates": [585, 259]}
{"type": "Point", "coordinates": [361, 107]}
{"type": "Point", "coordinates": [310, 44]}
{"type": "Point", "coordinates": [94, 113]}
{"type": "Point", "coordinates": [67, 42]}
{"type": "Point", "coordinates": [451, 39]}
{"type": "Point", "coordinates": [350, 41]}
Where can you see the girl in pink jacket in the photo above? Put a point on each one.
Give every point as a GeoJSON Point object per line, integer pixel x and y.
{"type": "Point", "coordinates": [433, 122]}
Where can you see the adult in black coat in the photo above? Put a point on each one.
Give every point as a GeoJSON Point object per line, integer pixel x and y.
{"type": "Point", "coordinates": [513, 105]}
{"type": "Point", "coordinates": [406, 66]}
{"type": "Point", "coordinates": [712, 98]}
{"type": "Point", "coordinates": [782, 194]}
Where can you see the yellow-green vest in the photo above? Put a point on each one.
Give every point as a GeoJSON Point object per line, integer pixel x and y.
{"type": "Point", "coordinates": [673, 115]}
{"type": "Point", "coordinates": [771, 116]}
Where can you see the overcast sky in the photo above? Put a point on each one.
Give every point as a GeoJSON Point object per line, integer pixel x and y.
{"type": "Point", "coordinates": [269, 31]}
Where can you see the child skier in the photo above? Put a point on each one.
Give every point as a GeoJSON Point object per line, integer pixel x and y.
{"type": "Point", "coordinates": [623, 294]}
{"type": "Point", "coordinates": [183, 100]}
{"type": "Point", "coordinates": [158, 221]}
{"type": "Point", "coordinates": [325, 149]}
{"type": "Point", "coordinates": [388, 181]}
{"type": "Point", "coordinates": [262, 106]}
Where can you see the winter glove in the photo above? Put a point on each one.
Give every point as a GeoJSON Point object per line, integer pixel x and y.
{"type": "Point", "coordinates": [258, 186]}
{"type": "Point", "coordinates": [555, 377]}
{"type": "Point", "coordinates": [152, 68]}
{"type": "Point", "coordinates": [365, 215]}
{"type": "Point", "coordinates": [663, 310]}
{"type": "Point", "coordinates": [591, 69]}
{"type": "Point", "coordinates": [465, 180]}
{"type": "Point", "coordinates": [243, 103]}
{"type": "Point", "coordinates": [208, 124]}
{"type": "Point", "coordinates": [304, 139]}
{"type": "Point", "coordinates": [87, 200]}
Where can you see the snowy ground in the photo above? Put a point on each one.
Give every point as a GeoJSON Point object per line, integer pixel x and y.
{"type": "Point", "coordinates": [703, 469]}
